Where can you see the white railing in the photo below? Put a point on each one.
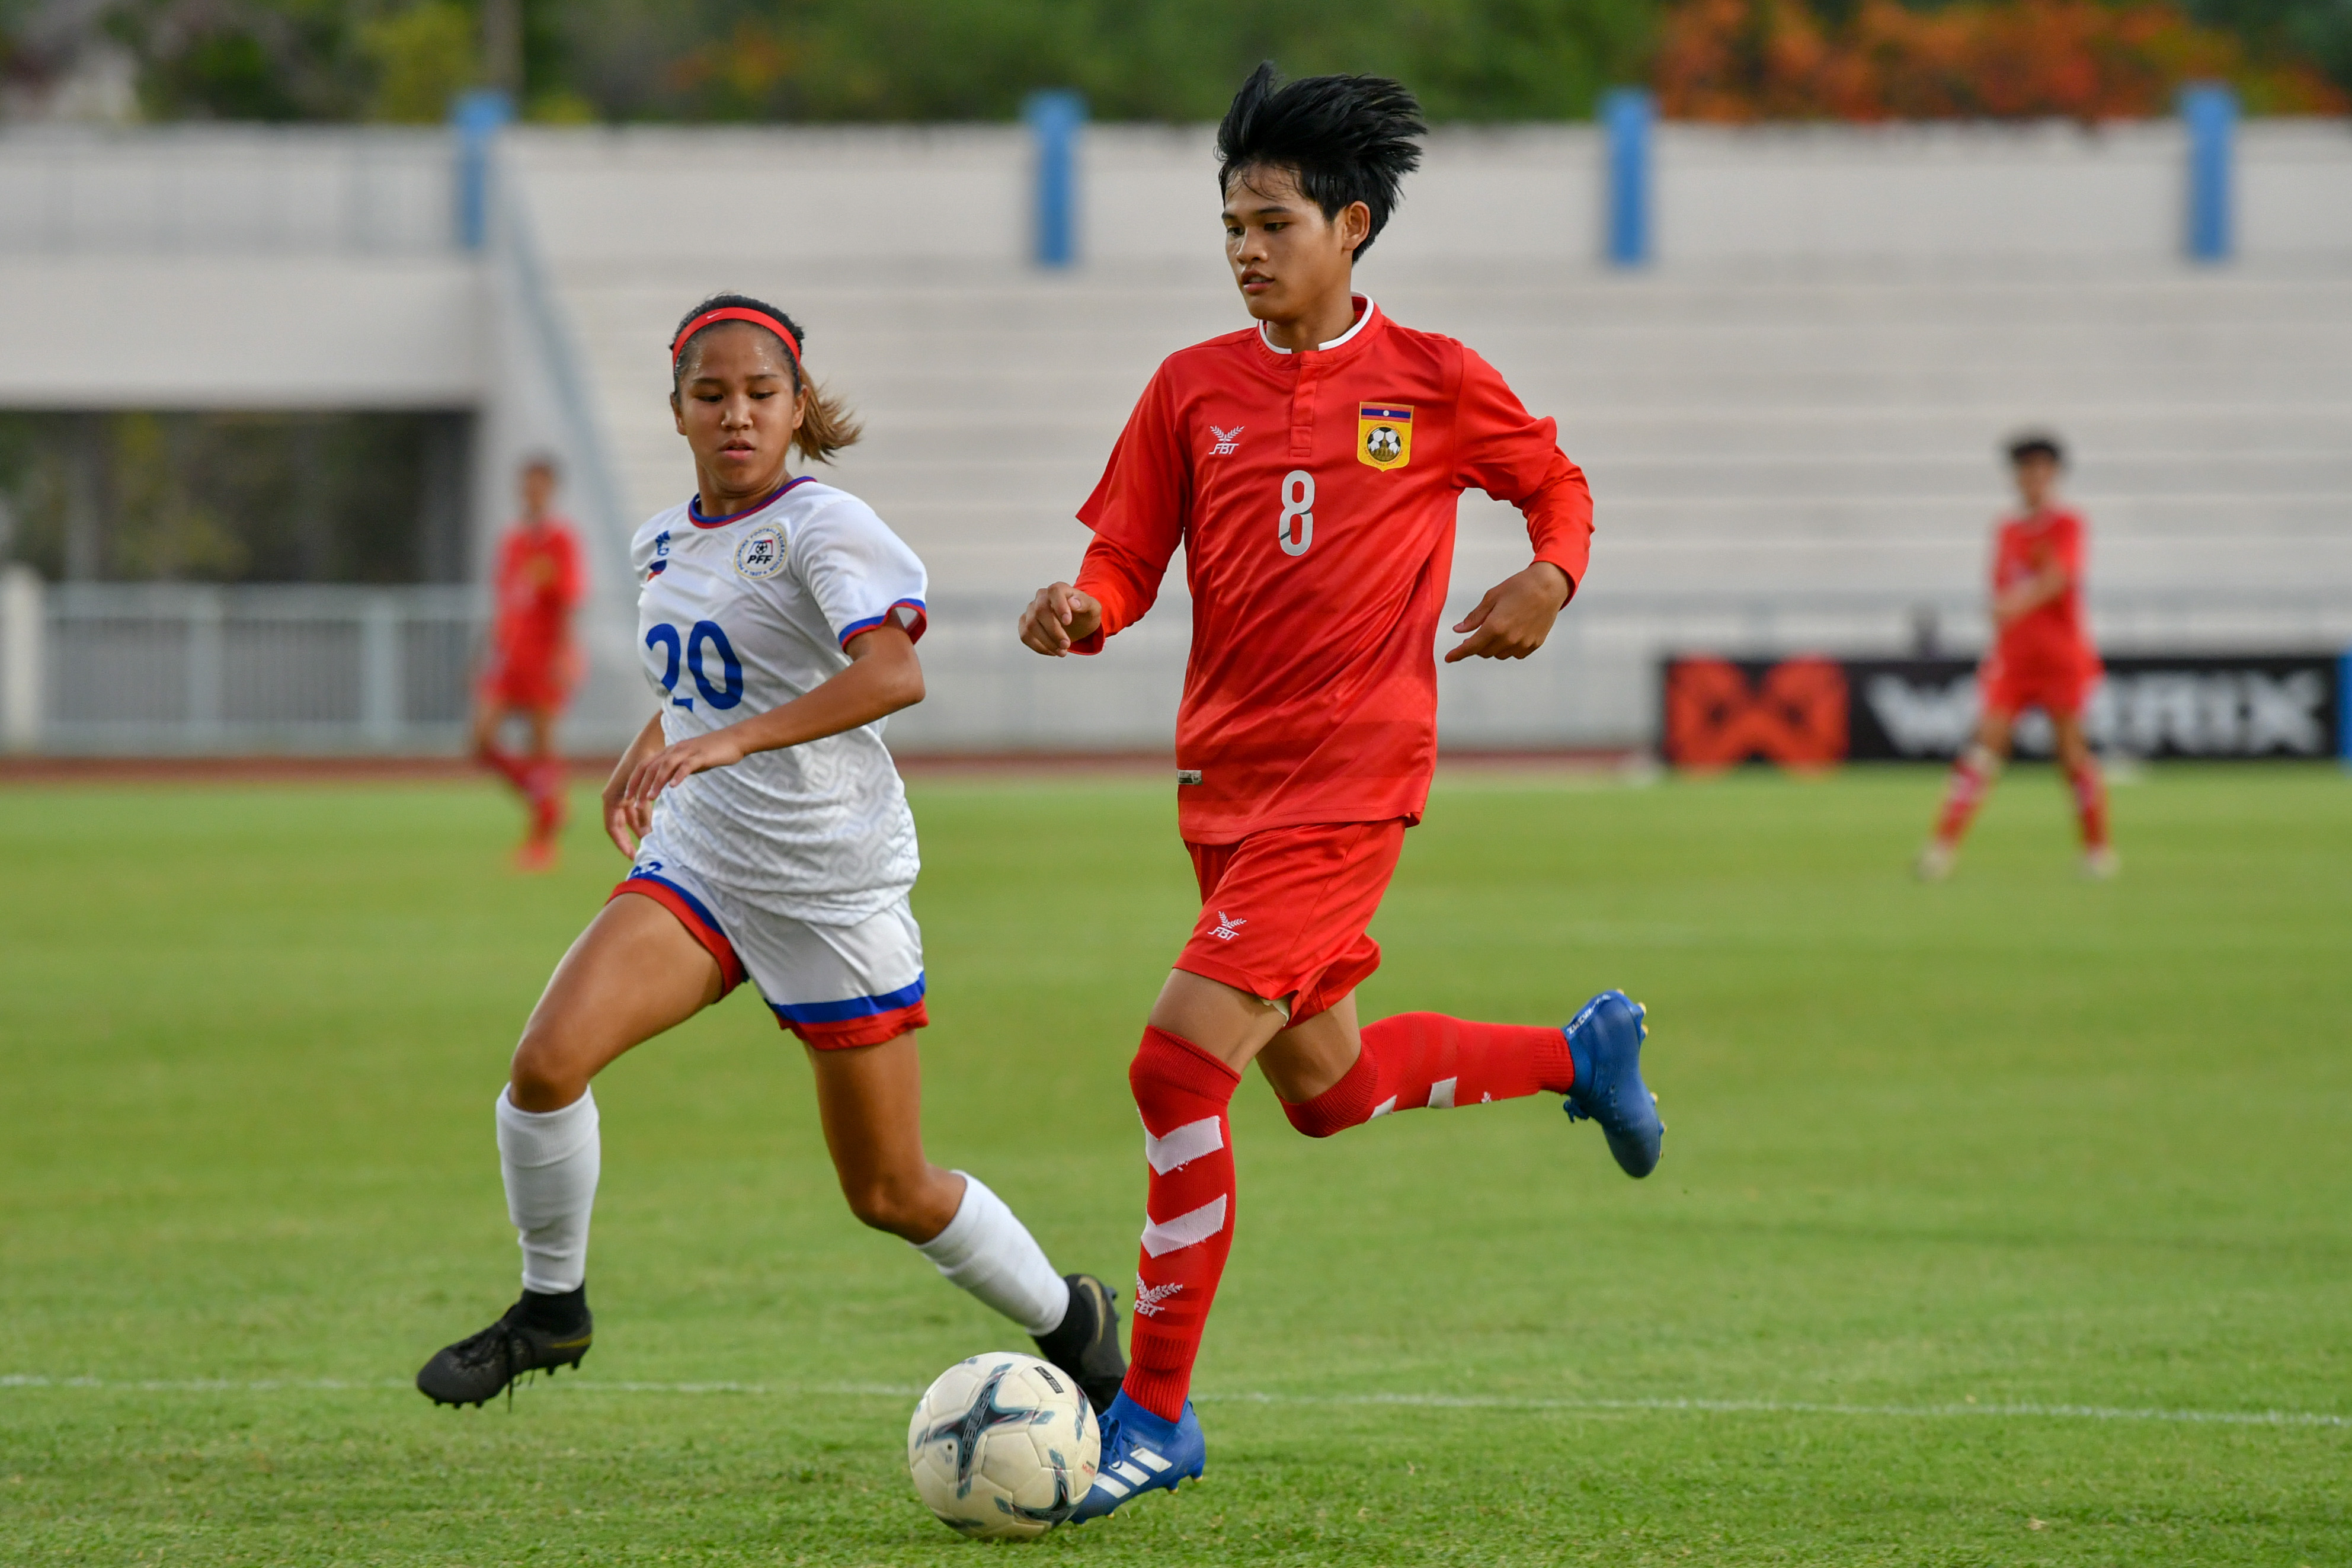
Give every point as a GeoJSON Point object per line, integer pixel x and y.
{"type": "Point", "coordinates": [174, 667]}
{"type": "Point", "coordinates": [171, 668]}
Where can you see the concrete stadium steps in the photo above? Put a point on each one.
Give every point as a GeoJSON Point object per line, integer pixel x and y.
{"type": "Point", "coordinates": [1767, 433]}
{"type": "Point", "coordinates": [1783, 455]}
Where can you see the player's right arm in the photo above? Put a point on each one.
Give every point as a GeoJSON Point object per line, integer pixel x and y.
{"type": "Point", "coordinates": [1058, 617]}
{"type": "Point", "coordinates": [623, 823]}
{"type": "Point", "coordinates": [1137, 512]}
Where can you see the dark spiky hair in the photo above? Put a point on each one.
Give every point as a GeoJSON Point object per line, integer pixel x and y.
{"type": "Point", "coordinates": [1345, 139]}
{"type": "Point", "coordinates": [2037, 444]}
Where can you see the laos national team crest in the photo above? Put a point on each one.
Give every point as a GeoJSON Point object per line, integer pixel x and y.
{"type": "Point", "coordinates": [761, 552]}
{"type": "Point", "coordinates": [1384, 435]}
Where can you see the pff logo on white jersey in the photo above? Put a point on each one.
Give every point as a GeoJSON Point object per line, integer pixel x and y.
{"type": "Point", "coordinates": [761, 552]}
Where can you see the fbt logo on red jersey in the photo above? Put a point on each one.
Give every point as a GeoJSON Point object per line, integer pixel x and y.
{"type": "Point", "coordinates": [1226, 441]}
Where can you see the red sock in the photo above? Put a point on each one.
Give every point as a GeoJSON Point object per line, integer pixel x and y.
{"type": "Point", "coordinates": [508, 766]}
{"type": "Point", "coordinates": [1182, 1092]}
{"type": "Point", "coordinates": [1427, 1060]}
{"type": "Point", "coordinates": [543, 782]}
{"type": "Point", "coordinates": [1972, 776]}
{"type": "Point", "coordinates": [2090, 804]}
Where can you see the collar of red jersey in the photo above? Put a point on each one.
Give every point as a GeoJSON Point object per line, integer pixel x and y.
{"type": "Point", "coordinates": [1365, 309]}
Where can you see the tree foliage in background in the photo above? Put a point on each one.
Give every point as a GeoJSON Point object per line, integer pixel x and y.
{"type": "Point", "coordinates": [705, 60]}
{"type": "Point", "coordinates": [1134, 59]}
{"type": "Point", "coordinates": [222, 497]}
{"type": "Point", "coordinates": [1779, 59]}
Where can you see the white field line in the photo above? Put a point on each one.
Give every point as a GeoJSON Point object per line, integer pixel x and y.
{"type": "Point", "coordinates": [2012, 1410]}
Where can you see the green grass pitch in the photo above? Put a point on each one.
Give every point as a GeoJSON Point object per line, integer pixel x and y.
{"type": "Point", "coordinates": [1974, 1194]}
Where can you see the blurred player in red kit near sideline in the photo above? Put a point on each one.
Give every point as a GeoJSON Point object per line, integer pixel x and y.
{"type": "Point", "coordinates": [2041, 658]}
{"type": "Point", "coordinates": [1310, 466]}
{"type": "Point", "coordinates": [533, 663]}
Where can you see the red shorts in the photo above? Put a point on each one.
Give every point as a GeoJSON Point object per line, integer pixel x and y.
{"type": "Point", "coordinates": [529, 678]}
{"type": "Point", "coordinates": [2059, 687]}
{"type": "Point", "coordinates": [1283, 911]}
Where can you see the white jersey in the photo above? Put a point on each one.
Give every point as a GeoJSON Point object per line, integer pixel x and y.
{"type": "Point", "coordinates": [740, 615]}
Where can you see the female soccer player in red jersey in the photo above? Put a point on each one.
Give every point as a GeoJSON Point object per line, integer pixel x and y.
{"type": "Point", "coordinates": [768, 840]}
{"type": "Point", "coordinates": [1311, 467]}
{"type": "Point", "coordinates": [2041, 658]}
{"type": "Point", "coordinates": [533, 663]}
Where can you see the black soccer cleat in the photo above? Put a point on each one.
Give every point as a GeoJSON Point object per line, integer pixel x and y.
{"type": "Point", "coordinates": [538, 1333]}
{"type": "Point", "coordinates": [1085, 1345]}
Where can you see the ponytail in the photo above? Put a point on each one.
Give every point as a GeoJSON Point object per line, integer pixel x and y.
{"type": "Point", "coordinates": [826, 424]}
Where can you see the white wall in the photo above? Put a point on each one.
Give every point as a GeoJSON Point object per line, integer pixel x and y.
{"type": "Point", "coordinates": [212, 331]}
{"type": "Point", "coordinates": [1830, 193]}
{"type": "Point", "coordinates": [203, 267]}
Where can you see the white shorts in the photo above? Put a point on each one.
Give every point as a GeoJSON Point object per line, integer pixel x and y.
{"type": "Point", "coordinates": [834, 986]}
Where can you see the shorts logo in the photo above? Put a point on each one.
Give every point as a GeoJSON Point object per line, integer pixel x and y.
{"type": "Point", "coordinates": [761, 553]}
{"type": "Point", "coordinates": [1226, 440]}
{"type": "Point", "coordinates": [1384, 435]}
{"type": "Point", "coordinates": [1228, 928]}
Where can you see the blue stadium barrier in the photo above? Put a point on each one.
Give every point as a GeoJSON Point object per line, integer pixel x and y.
{"type": "Point", "coordinates": [477, 117]}
{"type": "Point", "coordinates": [1628, 113]}
{"type": "Point", "coordinates": [1056, 117]}
{"type": "Point", "coordinates": [2344, 707]}
{"type": "Point", "coordinates": [2210, 110]}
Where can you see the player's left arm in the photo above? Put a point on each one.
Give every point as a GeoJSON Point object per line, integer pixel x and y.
{"type": "Point", "coordinates": [884, 676]}
{"type": "Point", "coordinates": [2023, 598]}
{"type": "Point", "coordinates": [571, 577]}
{"type": "Point", "coordinates": [1515, 456]}
{"type": "Point", "coordinates": [2054, 573]}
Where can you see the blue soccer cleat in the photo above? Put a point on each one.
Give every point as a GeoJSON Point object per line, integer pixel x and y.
{"type": "Point", "coordinates": [1605, 1042]}
{"type": "Point", "coordinates": [1142, 1452]}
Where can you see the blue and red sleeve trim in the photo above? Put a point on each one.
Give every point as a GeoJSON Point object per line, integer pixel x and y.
{"type": "Point", "coordinates": [908, 612]}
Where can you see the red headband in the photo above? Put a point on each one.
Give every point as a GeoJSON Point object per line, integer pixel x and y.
{"type": "Point", "coordinates": [733, 313]}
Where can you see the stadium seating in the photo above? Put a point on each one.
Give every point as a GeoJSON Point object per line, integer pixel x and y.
{"type": "Point", "coordinates": [1783, 449]}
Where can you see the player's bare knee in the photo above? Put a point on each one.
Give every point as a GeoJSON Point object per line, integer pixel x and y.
{"type": "Point", "coordinates": [886, 1204]}
{"type": "Point", "coordinates": [543, 1076]}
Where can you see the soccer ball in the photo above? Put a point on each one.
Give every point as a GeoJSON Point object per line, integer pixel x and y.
{"type": "Point", "coordinates": [1003, 1447]}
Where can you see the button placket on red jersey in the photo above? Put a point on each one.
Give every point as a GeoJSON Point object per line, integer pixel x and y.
{"type": "Point", "coordinates": [1302, 405]}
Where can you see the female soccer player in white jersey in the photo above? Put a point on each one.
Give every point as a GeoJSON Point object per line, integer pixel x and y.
{"type": "Point", "coordinates": [769, 837]}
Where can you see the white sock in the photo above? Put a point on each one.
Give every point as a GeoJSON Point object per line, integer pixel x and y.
{"type": "Point", "coordinates": [988, 1251]}
{"type": "Point", "coordinates": [549, 1159]}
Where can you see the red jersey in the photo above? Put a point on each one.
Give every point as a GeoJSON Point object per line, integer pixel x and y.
{"type": "Point", "coordinates": [2053, 636]}
{"type": "Point", "coordinates": [1313, 494]}
{"type": "Point", "coordinates": [537, 582]}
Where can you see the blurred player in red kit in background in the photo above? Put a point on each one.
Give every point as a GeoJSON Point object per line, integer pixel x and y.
{"type": "Point", "coordinates": [532, 664]}
{"type": "Point", "coordinates": [2041, 658]}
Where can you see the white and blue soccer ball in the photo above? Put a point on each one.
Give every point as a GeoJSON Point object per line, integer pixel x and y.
{"type": "Point", "coordinates": [1003, 1447]}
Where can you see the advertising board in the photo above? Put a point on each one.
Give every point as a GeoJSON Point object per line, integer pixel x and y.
{"type": "Point", "coordinates": [1813, 711]}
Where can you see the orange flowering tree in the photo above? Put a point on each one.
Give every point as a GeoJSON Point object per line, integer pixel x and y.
{"type": "Point", "coordinates": [2084, 59]}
